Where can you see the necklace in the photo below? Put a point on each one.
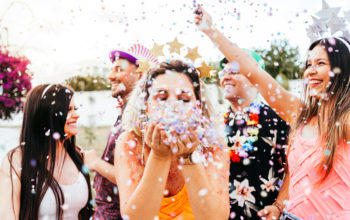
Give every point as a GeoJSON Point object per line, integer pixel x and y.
{"type": "Point", "coordinates": [242, 143]}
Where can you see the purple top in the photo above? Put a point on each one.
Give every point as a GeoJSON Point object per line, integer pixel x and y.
{"type": "Point", "coordinates": [107, 196]}
{"type": "Point", "coordinates": [117, 54]}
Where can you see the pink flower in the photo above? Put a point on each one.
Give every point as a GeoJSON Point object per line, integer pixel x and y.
{"type": "Point", "coordinates": [14, 75]}
{"type": "Point", "coordinates": [7, 86]}
{"type": "Point", "coordinates": [9, 103]}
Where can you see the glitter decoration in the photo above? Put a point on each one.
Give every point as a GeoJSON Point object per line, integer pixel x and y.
{"type": "Point", "coordinates": [179, 119]}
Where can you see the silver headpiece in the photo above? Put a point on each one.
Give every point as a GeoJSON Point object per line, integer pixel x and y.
{"type": "Point", "coordinates": [328, 24]}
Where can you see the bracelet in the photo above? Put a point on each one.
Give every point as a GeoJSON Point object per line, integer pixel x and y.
{"type": "Point", "coordinates": [278, 206]}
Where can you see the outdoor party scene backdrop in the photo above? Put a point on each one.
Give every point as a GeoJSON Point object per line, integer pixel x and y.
{"type": "Point", "coordinates": [62, 41]}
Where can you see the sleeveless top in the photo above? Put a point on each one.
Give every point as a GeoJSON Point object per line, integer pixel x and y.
{"type": "Point", "coordinates": [176, 207]}
{"type": "Point", "coordinates": [75, 195]}
{"type": "Point", "coordinates": [309, 198]}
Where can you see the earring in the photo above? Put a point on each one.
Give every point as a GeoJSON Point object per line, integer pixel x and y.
{"type": "Point", "coordinates": [143, 123]}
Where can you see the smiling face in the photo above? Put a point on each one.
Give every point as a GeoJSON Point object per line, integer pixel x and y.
{"type": "Point", "coordinates": [170, 90]}
{"type": "Point", "coordinates": [235, 86]}
{"type": "Point", "coordinates": [122, 78]}
{"type": "Point", "coordinates": [70, 128]}
{"type": "Point", "coordinates": [317, 72]}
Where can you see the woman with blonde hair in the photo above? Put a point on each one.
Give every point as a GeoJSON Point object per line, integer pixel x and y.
{"type": "Point", "coordinates": [172, 162]}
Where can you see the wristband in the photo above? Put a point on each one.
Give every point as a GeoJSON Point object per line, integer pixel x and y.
{"type": "Point", "coordinates": [278, 206]}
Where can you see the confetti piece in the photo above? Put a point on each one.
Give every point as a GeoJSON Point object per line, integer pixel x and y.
{"type": "Point", "coordinates": [203, 192]}
{"type": "Point", "coordinates": [47, 133]}
{"type": "Point", "coordinates": [33, 162]}
{"type": "Point", "coordinates": [125, 217]}
{"type": "Point", "coordinates": [131, 143]}
{"type": "Point", "coordinates": [115, 190]}
{"type": "Point", "coordinates": [56, 135]}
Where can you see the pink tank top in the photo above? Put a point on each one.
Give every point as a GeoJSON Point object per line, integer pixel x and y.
{"type": "Point", "coordinates": [309, 200]}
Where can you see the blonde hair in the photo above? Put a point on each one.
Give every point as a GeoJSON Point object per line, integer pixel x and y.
{"type": "Point", "coordinates": [134, 117]}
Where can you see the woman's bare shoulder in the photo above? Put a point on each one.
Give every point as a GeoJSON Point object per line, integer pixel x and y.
{"type": "Point", "coordinates": [129, 145]}
{"type": "Point", "coordinates": [12, 160]}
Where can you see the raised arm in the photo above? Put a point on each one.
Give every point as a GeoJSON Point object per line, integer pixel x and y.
{"type": "Point", "coordinates": [10, 189]}
{"type": "Point", "coordinates": [283, 102]}
{"type": "Point", "coordinates": [141, 188]}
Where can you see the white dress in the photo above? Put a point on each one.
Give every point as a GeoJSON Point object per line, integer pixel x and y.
{"type": "Point", "coordinates": [75, 195]}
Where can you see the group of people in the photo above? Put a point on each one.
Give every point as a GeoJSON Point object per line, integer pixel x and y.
{"type": "Point", "coordinates": [168, 155]}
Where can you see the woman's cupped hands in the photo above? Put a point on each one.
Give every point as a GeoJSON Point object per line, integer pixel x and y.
{"type": "Point", "coordinates": [169, 144]}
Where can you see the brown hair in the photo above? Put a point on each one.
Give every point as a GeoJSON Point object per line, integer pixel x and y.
{"type": "Point", "coordinates": [332, 112]}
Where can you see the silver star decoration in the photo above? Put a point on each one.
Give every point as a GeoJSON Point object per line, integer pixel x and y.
{"type": "Point", "coordinates": [319, 24]}
{"type": "Point", "coordinates": [312, 33]}
{"type": "Point", "coordinates": [335, 24]}
{"type": "Point", "coordinates": [347, 15]}
{"type": "Point", "coordinates": [346, 34]}
{"type": "Point", "coordinates": [327, 12]}
{"type": "Point", "coordinates": [328, 23]}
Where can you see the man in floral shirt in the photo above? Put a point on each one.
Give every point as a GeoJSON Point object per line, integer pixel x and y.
{"type": "Point", "coordinates": [257, 137]}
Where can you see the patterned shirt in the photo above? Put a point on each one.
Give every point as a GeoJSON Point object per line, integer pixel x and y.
{"type": "Point", "coordinates": [257, 139]}
{"type": "Point", "coordinates": [107, 196]}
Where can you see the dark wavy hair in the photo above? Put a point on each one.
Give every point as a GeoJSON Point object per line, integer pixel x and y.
{"type": "Point", "coordinates": [338, 102]}
{"type": "Point", "coordinates": [43, 116]}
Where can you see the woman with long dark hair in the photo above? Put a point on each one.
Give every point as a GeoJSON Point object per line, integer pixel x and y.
{"type": "Point", "coordinates": [317, 181]}
{"type": "Point", "coordinates": [43, 178]}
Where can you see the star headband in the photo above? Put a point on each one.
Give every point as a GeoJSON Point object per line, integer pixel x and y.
{"type": "Point", "coordinates": [328, 24]}
{"type": "Point", "coordinates": [175, 52]}
{"type": "Point", "coordinates": [344, 42]}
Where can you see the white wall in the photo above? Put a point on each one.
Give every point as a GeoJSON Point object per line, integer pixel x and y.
{"type": "Point", "coordinates": [96, 109]}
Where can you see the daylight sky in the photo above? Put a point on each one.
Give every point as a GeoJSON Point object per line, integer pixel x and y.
{"type": "Point", "coordinates": [65, 37]}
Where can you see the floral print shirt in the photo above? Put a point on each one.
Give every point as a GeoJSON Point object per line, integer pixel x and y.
{"type": "Point", "coordinates": [257, 139]}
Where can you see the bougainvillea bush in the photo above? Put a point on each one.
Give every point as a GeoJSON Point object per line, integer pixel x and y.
{"type": "Point", "coordinates": [15, 82]}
